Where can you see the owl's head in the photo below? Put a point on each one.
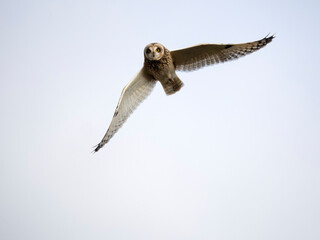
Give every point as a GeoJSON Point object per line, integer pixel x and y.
{"type": "Point", "coordinates": [154, 51]}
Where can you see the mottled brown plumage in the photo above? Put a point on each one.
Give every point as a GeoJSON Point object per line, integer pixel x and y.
{"type": "Point", "coordinates": [163, 70]}
{"type": "Point", "coordinates": [161, 65]}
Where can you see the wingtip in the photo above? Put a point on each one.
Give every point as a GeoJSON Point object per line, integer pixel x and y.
{"type": "Point", "coordinates": [96, 149]}
{"type": "Point", "coordinates": [269, 38]}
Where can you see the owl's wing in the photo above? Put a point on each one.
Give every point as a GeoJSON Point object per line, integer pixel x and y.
{"type": "Point", "coordinates": [193, 58]}
{"type": "Point", "coordinates": [132, 95]}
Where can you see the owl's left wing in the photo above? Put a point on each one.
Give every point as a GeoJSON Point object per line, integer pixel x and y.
{"type": "Point", "coordinates": [132, 95]}
{"type": "Point", "coordinates": [193, 58]}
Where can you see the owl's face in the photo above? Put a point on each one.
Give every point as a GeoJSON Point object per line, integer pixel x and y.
{"type": "Point", "coordinates": [154, 51]}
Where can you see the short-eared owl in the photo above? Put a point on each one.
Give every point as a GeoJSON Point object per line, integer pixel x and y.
{"type": "Point", "coordinates": [161, 65]}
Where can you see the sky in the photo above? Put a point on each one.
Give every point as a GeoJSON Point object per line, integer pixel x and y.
{"type": "Point", "coordinates": [234, 155]}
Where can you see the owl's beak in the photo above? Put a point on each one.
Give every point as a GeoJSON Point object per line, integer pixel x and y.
{"type": "Point", "coordinates": [153, 55]}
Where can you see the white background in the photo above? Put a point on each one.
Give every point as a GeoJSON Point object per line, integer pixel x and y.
{"type": "Point", "coordinates": [234, 155]}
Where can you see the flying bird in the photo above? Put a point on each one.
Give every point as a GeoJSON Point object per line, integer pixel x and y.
{"type": "Point", "coordinates": [161, 65]}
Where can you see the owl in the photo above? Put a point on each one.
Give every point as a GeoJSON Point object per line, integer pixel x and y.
{"type": "Point", "coordinates": [161, 65]}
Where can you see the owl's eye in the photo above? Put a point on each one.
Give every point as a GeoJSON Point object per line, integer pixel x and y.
{"type": "Point", "coordinates": [158, 50]}
{"type": "Point", "coordinates": [148, 51]}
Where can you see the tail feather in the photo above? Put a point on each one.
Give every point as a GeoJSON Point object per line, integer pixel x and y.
{"type": "Point", "coordinates": [172, 86]}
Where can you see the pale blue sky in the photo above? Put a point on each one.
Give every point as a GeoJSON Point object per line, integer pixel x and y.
{"type": "Point", "coordinates": [234, 155]}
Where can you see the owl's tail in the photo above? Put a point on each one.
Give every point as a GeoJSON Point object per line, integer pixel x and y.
{"type": "Point", "coordinates": [172, 86]}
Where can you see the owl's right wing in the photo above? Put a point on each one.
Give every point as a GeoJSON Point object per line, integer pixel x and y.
{"type": "Point", "coordinates": [193, 58]}
{"type": "Point", "coordinates": [132, 95]}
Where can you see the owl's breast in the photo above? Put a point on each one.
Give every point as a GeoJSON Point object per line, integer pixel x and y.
{"type": "Point", "coordinates": [160, 69]}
